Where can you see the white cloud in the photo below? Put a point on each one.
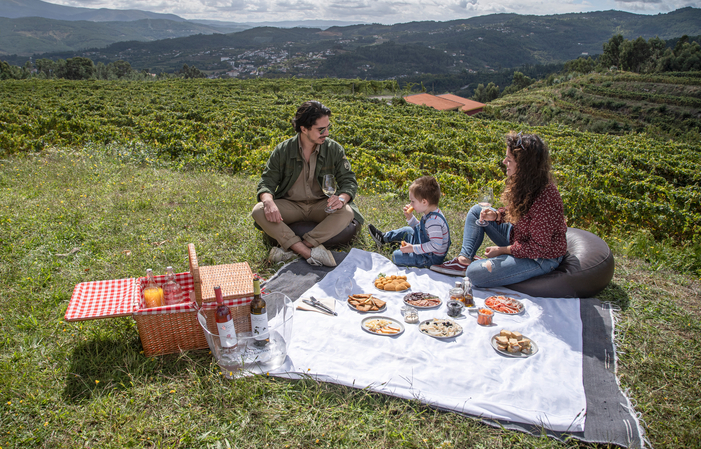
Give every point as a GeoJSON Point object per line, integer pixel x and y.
{"type": "Point", "coordinates": [378, 11]}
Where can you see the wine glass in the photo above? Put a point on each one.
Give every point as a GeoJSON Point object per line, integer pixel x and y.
{"type": "Point", "coordinates": [329, 188]}
{"type": "Point", "coordinates": [344, 287]}
{"type": "Point", "coordinates": [485, 200]}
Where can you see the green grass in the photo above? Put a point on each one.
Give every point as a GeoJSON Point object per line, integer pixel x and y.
{"type": "Point", "coordinates": [88, 384]}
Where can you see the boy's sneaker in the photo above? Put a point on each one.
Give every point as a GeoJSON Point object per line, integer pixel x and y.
{"type": "Point", "coordinates": [321, 257]}
{"type": "Point", "coordinates": [278, 255]}
{"type": "Point", "coordinates": [377, 235]}
{"type": "Point", "coordinates": [451, 268]}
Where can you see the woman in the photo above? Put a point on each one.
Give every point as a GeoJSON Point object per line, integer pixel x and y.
{"type": "Point", "coordinates": [529, 232]}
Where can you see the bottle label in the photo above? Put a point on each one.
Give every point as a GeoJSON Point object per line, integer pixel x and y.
{"type": "Point", "coordinates": [227, 334]}
{"type": "Point", "coordinates": [259, 326]}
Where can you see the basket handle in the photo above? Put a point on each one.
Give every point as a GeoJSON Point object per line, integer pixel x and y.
{"type": "Point", "coordinates": [195, 271]}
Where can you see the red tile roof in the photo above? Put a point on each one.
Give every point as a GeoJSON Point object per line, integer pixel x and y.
{"type": "Point", "coordinates": [442, 104]}
{"type": "Point", "coordinates": [469, 105]}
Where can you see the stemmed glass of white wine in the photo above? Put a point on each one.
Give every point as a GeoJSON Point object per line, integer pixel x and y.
{"type": "Point", "coordinates": [329, 188]}
{"type": "Point", "coordinates": [485, 200]}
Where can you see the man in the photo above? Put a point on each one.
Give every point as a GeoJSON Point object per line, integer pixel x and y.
{"type": "Point", "coordinates": [290, 189]}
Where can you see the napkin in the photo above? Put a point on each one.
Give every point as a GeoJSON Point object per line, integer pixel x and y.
{"type": "Point", "coordinates": [328, 302]}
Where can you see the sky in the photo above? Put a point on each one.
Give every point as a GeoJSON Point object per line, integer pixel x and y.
{"type": "Point", "coordinates": [373, 11]}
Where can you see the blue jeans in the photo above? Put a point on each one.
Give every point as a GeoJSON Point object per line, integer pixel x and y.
{"type": "Point", "coordinates": [412, 236]}
{"type": "Point", "coordinates": [501, 270]}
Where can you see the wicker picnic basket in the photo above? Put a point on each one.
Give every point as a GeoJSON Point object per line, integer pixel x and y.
{"type": "Point", "coordinates": [169, 329]}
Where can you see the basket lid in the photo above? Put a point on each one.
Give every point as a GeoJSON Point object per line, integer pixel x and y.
{"type": "Point", "coordinates": [235, 280]}
{"type": "Point", "coordinates": [101, 299]}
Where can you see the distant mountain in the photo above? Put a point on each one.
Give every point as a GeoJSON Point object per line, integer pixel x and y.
{"type": "Point", "coordinates": [14, 9]}
{"type": "Point", "coordinates": [30, 35]}
{"type": "Point", "coordinates": [323, 24]}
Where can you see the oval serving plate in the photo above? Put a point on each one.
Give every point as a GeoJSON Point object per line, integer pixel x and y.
{"type": "Point", "coordinates": [442, 323]}
{"type": "Point", "coordinates": [382, 309]}
{"type": "Point", "coordinates": [377, 321]}
{"type": "Point", "coordinates": [408, 297]}
{"type": "Point", "coordinates": [389, 291]}
{"type": "Point", "coordinates": [518, 355]}
{"type": "Point", "coordinates": [517, 303]}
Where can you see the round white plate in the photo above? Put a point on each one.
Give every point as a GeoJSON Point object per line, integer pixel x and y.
{"type": "Point", "coordinates": [423, 307]}
{"type": "Point", "coordinates": [519, 355]}
{"type": "Point", "coordinates": [394, 322]}
{"type": "Point", "coordinates": [457, 334]}
{"type": "Point", "coordinates": [523, 308]}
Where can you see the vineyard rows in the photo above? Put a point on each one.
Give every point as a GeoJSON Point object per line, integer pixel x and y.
{"type": "Point", "coordinates": [622, 183]}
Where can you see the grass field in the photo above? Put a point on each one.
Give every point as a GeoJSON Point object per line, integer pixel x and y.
{"type": "Point", "coordinates": [69, 216]}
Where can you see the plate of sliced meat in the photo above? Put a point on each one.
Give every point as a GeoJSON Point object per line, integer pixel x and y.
{"type": "Point", "coordinates": [365, 302]}
{"type": "Point", "coordinates": [422, 300]}
{"type": "Point", "coordinates": [504, 304]}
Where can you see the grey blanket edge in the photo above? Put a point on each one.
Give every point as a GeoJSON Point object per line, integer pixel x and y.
{"type": "Point", "coordinates": [609, 418]}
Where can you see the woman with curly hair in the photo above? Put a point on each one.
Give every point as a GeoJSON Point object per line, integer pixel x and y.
{"type": "Point", "coordinates": [529, 233]}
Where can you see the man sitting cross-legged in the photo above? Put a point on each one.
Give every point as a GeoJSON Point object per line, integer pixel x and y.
{"type": "Point", "coordinates": [290, 189]}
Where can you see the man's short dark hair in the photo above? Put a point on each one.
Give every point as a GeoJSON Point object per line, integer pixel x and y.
{"type": "Point", "coordinates": [426, 188]}
{"type": "Point", "coordinates": [308, 114]}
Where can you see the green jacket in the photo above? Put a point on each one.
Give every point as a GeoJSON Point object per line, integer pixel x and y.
{"type": "Point", "coordinates": [285, 165]}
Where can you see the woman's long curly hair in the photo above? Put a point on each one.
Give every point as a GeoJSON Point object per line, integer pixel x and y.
{"type": "Point", "coordinates": [533, 164]}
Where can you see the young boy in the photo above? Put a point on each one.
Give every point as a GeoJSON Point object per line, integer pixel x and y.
{"type": "Point", "coordinates": [424, 243]}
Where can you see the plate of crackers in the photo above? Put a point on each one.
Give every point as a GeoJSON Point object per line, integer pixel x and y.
{"type": "Point", "coordinates": [365, 302]}
{"type": "Point", "coordinates": [393, 283]}
{"type": "Point", "coordinates": [382, 325]}
{"type": "Point", "coordinates": [422, 300]}
{"type": "Point", "coordinates": [513, 344]}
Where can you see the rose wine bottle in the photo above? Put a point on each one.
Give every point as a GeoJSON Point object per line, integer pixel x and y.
{"type": "Point", "coordinates": [225, 323]}
{"type": "Point", "coordinates": [259, 317]}
{"type": "Point", "coordinates": [172, 292]}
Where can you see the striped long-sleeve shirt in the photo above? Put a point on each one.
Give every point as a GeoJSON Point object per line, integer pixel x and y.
{"type": "Point", "coordinates": [438, 234]}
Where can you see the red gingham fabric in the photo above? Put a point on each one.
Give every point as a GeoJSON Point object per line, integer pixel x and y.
{"type": "Point", "coordinates": [101, 299]}
{"type": "Point", "coordinates": [123, 297]}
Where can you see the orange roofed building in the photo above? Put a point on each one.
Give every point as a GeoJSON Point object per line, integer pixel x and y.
{"type": "Point", "coordinates": [446, 102]}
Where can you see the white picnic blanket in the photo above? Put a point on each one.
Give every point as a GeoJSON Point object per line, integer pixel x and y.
{"type": "Point", "coordinates": [464, 374]}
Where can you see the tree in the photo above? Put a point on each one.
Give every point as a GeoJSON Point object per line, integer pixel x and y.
{"type": "Point", "coordinates": [580, 65]}
{"type": "Point", "coordinates": [486, 94]}
{"type": "Point", "coordinates": [120, 68]}
{"type": "Point", "coordinates": [9, 72]}
{"type": "Point", "coordinates": [77, 68]}
{"type": "Point", "coordinates": [520, 81]}
{"type": "Point", "coordinates": [612, 52]}
{"type": "Point", "coordinates": [45, 67]}
{"type": "Point", "coordinates": [191, 72]}
{"type": "Point", "coordinates": [634, 54]}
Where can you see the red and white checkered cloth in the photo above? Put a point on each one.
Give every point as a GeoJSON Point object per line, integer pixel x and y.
{"type": "Point", "coordinates": [101, 299]}
{"type": "Point", "coordinates": [124, 297]}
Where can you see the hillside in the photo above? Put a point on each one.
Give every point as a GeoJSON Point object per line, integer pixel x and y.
{"type": "Point", "coordinates": [667, 105]}
{"type": "Point", "coordinates": [479, 43]}
{"type": "Point", "coordinates": [27, 36]}
{"type": "Point", "coordinates": [36, 8]}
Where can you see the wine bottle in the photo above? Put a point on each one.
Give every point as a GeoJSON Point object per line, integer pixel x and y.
{"type": "Point", "coordinates": [153, 294]}
{"type": "Point", "coordinates": [225, 323]}
{"type": "Point", "coordinates": [172, 292]}
{"type": "Point", "coordinates": [259, 317]}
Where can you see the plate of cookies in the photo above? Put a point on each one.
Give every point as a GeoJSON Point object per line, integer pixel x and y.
{"type": "Point", "coordinates": [393, 283]}
{"type": "Point", "coordinates": [513, 344]}
{"type": "Point", "coordinates": [365, 302]}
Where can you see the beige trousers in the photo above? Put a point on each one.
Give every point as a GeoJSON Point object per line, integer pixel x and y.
{"type": "Point", "coordinates": [329, 225]}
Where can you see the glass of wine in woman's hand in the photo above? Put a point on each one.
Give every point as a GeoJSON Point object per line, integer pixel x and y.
{"type": "Point", "coordinates": [485, 200]}
{"type": "Point", "coordinates": [329, 188]}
